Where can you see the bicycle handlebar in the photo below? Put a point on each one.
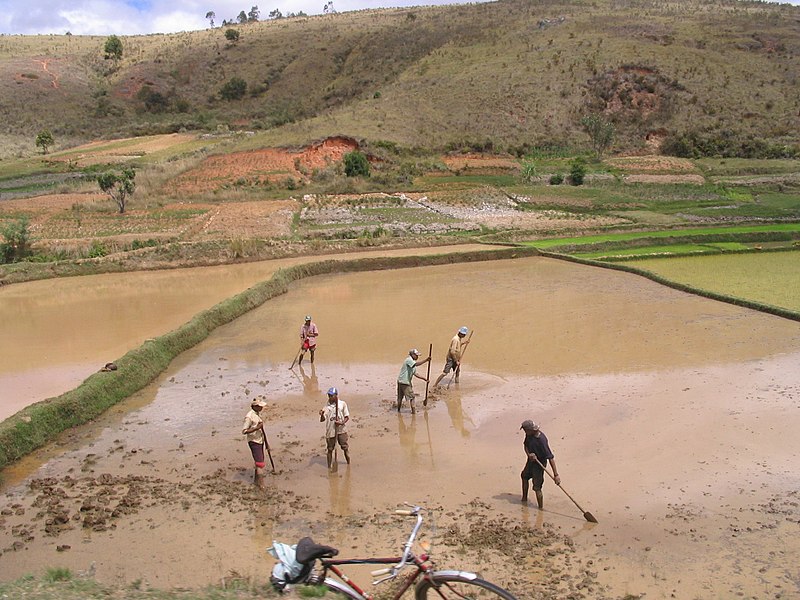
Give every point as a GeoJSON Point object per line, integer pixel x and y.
{"type": "Point", "coordinates": [391, 572]}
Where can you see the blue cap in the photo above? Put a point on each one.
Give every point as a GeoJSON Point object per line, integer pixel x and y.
{"type": "Point", "coordinates": [333, 391]}
{"type": "Point", "coordinates": [463, 331]}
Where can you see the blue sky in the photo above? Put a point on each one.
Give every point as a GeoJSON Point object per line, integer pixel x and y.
{"type": "Point", "coordinates": [129, 17]}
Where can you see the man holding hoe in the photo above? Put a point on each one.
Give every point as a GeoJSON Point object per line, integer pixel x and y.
{"type": "Point", "coordinates": [335, 415]}
{"type": "Point", "coordinates": [407, 372]}
{"type": "Point", "coordinates": [537, 452]}
{"type": "Point", "coordinates": [308, 339]}
{"type": "Point", "coordinates": [457, 347]}
{"type": "Point", "coordinates": [253, 428]}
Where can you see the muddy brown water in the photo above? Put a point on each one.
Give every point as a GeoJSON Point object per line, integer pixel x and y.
{"type": "Point", "coordinates": [672, 419]}
{"type": "Point", "coordinates": [57, 332]}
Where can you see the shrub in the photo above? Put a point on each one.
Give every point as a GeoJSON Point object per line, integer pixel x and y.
{"type": "Point", "coordinates": [556, 179]}
{"type": "Point", "coordinates": [97, 249]}
{"type": "Point", "coordinates": [529, 171]}
{"type": "Point", "coordinates": [356, 164]}
{"type": "Point", "coordinates": [16, 244]}
{"type": "Point", "coordinates": [234, 89]}
{"type": "Point", "coordinates": [577, 172]}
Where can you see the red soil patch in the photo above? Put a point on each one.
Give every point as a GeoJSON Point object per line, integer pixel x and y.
{"type": "Point", "coordinates": [652, 164]}
{"type": "Point", "coordinates": [258, 167]}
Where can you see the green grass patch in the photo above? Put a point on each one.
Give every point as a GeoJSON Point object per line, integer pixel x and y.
{"type": "Point", "coordinates": [465, 181]}
{"type": "Point", "coordinates": [548, 244]}
{"type": "Point", "coordinates": [765, 277]}
{"type": "Point", "coordinates": [746, 166]}
{"type": "Point", "coordinates": [668, 250]}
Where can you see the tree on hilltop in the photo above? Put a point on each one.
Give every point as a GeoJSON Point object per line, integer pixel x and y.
{"type": "Point", "coordinates": [253, 15]}
{"type": "Point", "coordinates": [118, 185]}
{"type": "Point", "coordinates": [211, 15]}
{"type": "Point", "coordinates": [113, 49]}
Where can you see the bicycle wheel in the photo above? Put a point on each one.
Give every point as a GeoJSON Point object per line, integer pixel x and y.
{"type": "Point", "coordinates": [459, 586]}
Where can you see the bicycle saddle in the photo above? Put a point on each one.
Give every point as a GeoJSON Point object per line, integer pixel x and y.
{"type": "Point", "coordinates": [308, 550]}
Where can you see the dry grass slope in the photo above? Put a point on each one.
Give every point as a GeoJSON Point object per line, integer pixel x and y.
{"type": "Point", "coordinates": [505, 73]}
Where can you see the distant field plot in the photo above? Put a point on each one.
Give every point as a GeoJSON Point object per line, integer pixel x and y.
{"type": "Point", "coordinates": [674, 249]}
{"type": "Point", "coordinates": [772, 277]}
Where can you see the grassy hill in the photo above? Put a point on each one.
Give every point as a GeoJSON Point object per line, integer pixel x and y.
{"type": "Point", "coordinates": [506, 75]}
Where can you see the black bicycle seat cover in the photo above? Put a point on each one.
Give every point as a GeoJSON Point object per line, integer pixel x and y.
{"type": "Point", "coordinates": [307, 551]}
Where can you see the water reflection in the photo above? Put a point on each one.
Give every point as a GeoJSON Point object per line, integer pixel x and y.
{"type": "Point", "coordinates": [309, 380]}
{"type": "Point", "coordinates": [456, 412]}
{"type": "Point", "coordinates": [339, 486]}
{"type": "Point", "coordinates": [416, 448]}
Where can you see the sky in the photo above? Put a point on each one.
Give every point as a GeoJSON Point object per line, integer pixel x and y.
{"type": "Point", "coordinates": [131, 17]}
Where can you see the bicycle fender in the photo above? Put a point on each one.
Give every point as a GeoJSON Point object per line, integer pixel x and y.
{"type": "Point", "coordinates": [345, 589]}
{"type": "Point", "coordinates": [464, 574]}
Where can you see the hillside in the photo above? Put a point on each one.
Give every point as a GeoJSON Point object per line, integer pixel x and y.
{"type": "Point", "coordinates": [505, 75]}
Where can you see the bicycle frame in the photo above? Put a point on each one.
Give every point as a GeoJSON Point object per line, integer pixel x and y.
{"type": "Point", "coordinates": [332, 565]}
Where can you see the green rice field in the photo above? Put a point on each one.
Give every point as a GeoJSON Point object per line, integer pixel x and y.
{"type": "Point", "coordinates": [771, 278]}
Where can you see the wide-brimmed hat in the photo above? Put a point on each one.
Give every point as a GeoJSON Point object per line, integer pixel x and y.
{"type": "Point", "coordinates": [258, 402]}
{"type": "Point", "coordinates": [308, 317]}
{"type": "Point", "coordinates": [463, 331]}
{"type": "Point", "coordinates": [529, 425]}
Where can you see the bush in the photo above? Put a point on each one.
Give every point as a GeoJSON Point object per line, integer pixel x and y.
{"type": "Point", "coordinates": [16, 244]}
{"type": "Point", "coordinates": [234, 89]}
{"type": "Point", "coordinates": [356, 164]}
{"type": "Point", "coordinates": [529, 171]}
{"type": "Point", "coordinates": [97, 249]}
{"type": "Point", "coordinates": [577, 172]}
{"type": "Point", "coordinates": [556, 179]}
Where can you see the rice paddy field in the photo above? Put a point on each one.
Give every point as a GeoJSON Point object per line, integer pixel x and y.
{"type": "Point", "coordinates": [772, 277]}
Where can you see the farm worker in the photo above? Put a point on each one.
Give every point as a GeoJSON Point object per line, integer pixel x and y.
{"type": "Point", "coordinates": [253, 428]}
{"type": "Point", "coordinates": [308, 334]}
{"type": "Point", "coordinates": [457, 346]}
{"type": "Point", "coordinates": [335, 415]}
{"type": "Point", "coordinates": [537, 453]}
{"type": "Point", "coordinates": [407, 372]}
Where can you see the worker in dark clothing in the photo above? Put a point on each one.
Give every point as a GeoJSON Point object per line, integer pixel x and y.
{"type": "Point", "coordinates": [537, 453]}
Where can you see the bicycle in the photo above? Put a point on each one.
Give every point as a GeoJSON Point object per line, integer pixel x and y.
{"type": "Point", "coordinates": [315, 562]}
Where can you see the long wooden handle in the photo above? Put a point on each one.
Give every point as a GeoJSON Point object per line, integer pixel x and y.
{"type": "Point", "coordinates": [428, 378]}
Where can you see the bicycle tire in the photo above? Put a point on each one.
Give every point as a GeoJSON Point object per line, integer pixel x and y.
{"type": "Point", "coordinates": [459, 585]}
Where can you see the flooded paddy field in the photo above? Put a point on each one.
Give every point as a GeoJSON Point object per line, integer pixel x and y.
{"type": "Point", "coordinates": [57, 332]}
{"type": "Point", "coordinates": [672, 419]}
